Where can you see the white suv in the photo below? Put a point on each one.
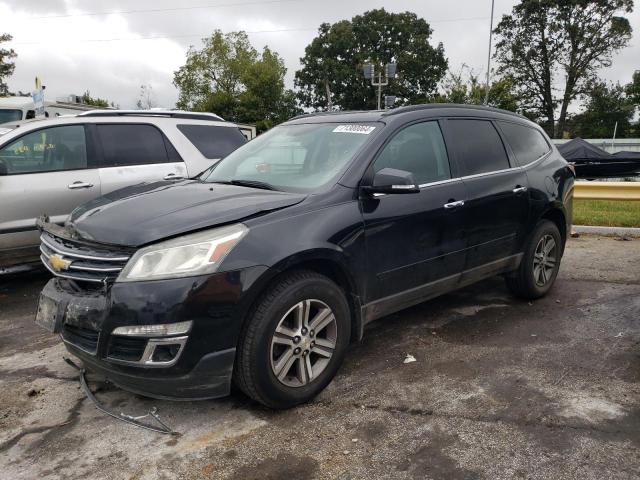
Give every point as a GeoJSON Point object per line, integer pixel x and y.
{"type": "Point", "coordinates": [51, 166]}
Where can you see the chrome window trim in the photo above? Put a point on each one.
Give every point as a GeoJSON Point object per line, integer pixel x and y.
{"type": "Point", "coordinates": [538, 160]}
{"type": "Point", "coordinates": [493, 172]}
{"type": "Point", "coordinates": [439, 182]}
{"type": "Point", "coordinates": [477, 175]}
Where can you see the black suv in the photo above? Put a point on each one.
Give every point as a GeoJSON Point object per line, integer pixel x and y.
{"type": "Point", "coordinates": [266, 267]}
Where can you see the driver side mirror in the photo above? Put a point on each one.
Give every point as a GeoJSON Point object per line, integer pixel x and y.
{"type": "Point", "coordinates": [391, 180]}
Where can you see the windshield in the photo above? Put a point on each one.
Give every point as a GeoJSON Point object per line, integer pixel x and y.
{"type": "Point", "coordinates": [296, 158]}
{"type": "Point", "coordinates": [7, 115]}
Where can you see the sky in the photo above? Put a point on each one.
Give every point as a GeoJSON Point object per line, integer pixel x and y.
{"type": "Point", "coordinates": [112, 47]}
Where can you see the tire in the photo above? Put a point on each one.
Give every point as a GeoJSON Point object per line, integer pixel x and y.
{"type": "Point", "coordinates": [528, 281]}
{"type": "Point", "coordinates": [263, 368]}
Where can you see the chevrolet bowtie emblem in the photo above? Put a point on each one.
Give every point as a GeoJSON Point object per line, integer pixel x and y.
{"type": "Point", "coordinates": [58, 263]}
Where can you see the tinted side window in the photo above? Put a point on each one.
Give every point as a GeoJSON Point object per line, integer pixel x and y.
{"type": "Point", "coordinates": [131, 144]}
{"type": "Point", "coordinates": [418, 149]}
{"type": "Point", "coordinates": [212, 141]}
{"type": "Point", "coordinates": [47, 150]}
{"type": "Point", "coordinates": [527, 143]}
{"type": "Point", "coordinates": [477, 146]}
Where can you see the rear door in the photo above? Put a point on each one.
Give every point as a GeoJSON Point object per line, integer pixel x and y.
{"type": "Point", "coordinates": [497, 204]}
{"type": "Point", "coordinates": [49, 171]}
{"type": "Point", "coordinates": [134, 153]}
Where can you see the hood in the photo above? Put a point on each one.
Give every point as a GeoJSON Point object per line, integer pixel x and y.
{"type": "Point", "coordinates": [149, 212]}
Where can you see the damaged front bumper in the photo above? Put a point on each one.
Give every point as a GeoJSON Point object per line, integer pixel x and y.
{"type": "Point", "coordinates": [118, 331]}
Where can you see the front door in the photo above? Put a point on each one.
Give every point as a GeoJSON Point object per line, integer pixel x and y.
{"type": "Point", "coordinates": [413, 241]}
{"type": "Point", "coordinates": [49, 172]}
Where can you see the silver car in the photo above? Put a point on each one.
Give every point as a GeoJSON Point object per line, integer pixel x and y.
{"type": "Point", "coordinates": [48, 167]}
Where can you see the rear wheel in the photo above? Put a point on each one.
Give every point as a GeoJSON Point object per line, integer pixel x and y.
{"type": "Point", "coordinates": [540, 264]}
{"type": "Point", "coordinates": [294, 341]}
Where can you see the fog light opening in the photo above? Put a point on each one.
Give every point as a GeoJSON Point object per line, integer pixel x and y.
{"type": "Point", "coordinates": [165, 353]}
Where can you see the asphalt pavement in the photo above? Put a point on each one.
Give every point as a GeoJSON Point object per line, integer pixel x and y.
{"type": "Point", "coordinates": [500, 389]}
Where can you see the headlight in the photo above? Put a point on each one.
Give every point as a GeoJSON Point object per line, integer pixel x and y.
{"type": "Point", "coordinates": [194, 254]}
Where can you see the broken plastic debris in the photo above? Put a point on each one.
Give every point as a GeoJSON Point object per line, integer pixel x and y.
{"type": "Point", "coordinates": [409, 359]}
{"type": "Point", "coordinates": [619, 335]}
{"type": "Point", "coordinates": [132, 420]}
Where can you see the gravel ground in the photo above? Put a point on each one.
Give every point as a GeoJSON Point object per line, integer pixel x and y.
{"type": "Point", "coordinates": [500, 388]}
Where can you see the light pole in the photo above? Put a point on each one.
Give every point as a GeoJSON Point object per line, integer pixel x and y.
{"type": "Point", "coordinates": [370, 74]}
{"type": "Point", "coordinates": [486, 95]}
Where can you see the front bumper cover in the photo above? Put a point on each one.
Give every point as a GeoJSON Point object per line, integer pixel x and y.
{"type": "Point", "coordinates": [215, 304]}
{"type": "Point", "coordinates": [210, 378]}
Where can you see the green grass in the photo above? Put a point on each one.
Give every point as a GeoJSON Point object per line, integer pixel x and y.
{"type": "Point", "coordinates": [606, 213]}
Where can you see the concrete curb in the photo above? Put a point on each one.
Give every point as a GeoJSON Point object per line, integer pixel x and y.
{"type": "Point", "coordinates": [607, 231]}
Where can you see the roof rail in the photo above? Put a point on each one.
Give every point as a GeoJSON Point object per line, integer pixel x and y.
{"type": "Point", "coordinates": [153, 113]}
{"type": "Point", "coordinates": [431, 106]}
{"type": "Point", "coordinates": [334, 112]}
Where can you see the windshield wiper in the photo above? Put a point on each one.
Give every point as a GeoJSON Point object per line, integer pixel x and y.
{"type": "Point", "coordinates": [246, 183]}
{"type": "Point", "coordinates": [252, 184]}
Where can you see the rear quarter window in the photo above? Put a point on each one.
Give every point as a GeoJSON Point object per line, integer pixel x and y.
{"type": "Point", "coordinates": [527, 143]}
{"type": "Point", "coordinates": [213, 141]}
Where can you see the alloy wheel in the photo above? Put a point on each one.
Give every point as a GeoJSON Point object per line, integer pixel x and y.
{"type": "Point", "coordinates": [303, 343]}
{"type": "Point", "coordinates": [544, 260]}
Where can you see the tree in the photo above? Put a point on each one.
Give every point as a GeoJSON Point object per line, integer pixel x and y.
{"type": "Point", "coordinates": [146, 98]}
{"type": "Point", "coordinates": [331, 72]}
{"type": "Point", "coordinates": [552, 50]}
{"type": "Point", "coordinates": [87, 99]}
{"type": "Point", "coordinates": [606, 106]}
{"type": "Point", "coordinates": [6, 63]}
{"type": "Point", "coordinates": [632, 90]}
{"type": "Point", "coordinates": [466, 87]}
{"type": "Point", "coordinates": [230, 78]}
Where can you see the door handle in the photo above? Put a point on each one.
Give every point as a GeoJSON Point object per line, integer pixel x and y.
{"type": "Point", "coordinates": [519, 189]}
{"type": "Point", "coordinates": [79, 184]}
{"type": "Point", "coordinates": [451, 205]}
{"type": "Point", "coordinates": [173, 176]}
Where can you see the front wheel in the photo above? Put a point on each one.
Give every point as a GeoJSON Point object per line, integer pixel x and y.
{"type": "Point", "coordinates": [294, 341]}
{"type": "Point", "coordinates": [540, 263]}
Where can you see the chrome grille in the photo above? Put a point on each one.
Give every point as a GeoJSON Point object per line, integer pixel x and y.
{"type": "Point", "coordinates": [67, 259]}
